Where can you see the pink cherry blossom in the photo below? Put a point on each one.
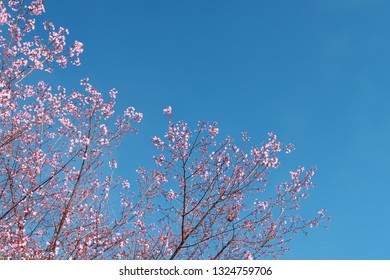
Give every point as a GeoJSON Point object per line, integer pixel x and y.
{"type": "Point", "coordinates": [168, 111]}
{"type": "Point", "coordinates": [55, 200]}
{"type": "Point", "coordinates": [217, 194]}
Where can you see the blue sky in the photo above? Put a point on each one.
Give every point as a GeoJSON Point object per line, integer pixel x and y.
{"type": "Point", "coordinates": [314, 72]}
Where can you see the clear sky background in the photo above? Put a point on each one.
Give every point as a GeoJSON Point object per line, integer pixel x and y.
{"type": "Point", "coordinates": [315, 72]}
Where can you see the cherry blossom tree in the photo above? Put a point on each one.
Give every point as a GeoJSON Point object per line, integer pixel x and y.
{"type": "Point", "coordinates": [205, 199]}
{"type": "Point", "coordinates": [210, 200]}
{"type": "Point", "coordinates": [53, 146]}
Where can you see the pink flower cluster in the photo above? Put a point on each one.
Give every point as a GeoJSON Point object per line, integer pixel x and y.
{"type": "Point", "coordinates": [55, 202]}
{"type": "Point", "coordinates": [217, 194]}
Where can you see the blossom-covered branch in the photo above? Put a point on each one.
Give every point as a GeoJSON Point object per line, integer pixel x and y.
{"type": "Point", "coordinates": [209, 199]}
{"type": "Point", "coordinates": [54, 143]}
